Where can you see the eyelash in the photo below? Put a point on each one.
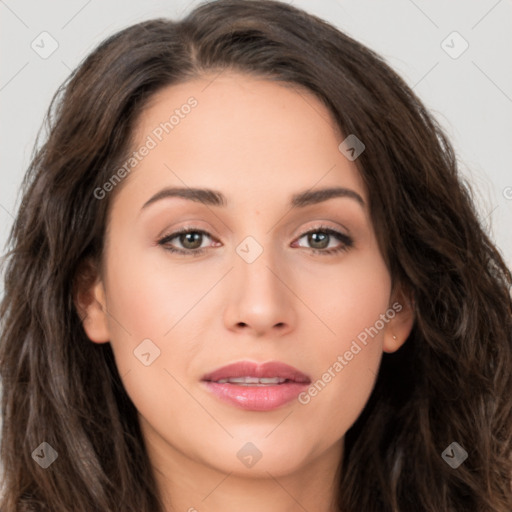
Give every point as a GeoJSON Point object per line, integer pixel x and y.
{"type": "Point", "coordinates": [347, 242]}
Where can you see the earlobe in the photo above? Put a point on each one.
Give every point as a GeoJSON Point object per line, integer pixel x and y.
{"type": "Point", "coordinates": [89, 299]}
{"type": "Point", "coordinates": [400, 326]}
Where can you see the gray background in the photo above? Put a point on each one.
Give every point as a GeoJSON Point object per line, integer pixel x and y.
{"type": "Point", "coordinates": [470, 95]}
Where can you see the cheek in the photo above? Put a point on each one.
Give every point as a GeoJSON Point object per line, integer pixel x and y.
{"type": "Point", "coordinates": [347, 360]}
{"type": "Point", "coordinates": [144, 306]}
{"type": "Point", "coordinates": [149, 296]}
{"type": "Point", "coordinates": [153, 311]}
{"type": "Point", "coordinates": [348, 298]}
{"type": "Point", "coordinates": [140, 308]}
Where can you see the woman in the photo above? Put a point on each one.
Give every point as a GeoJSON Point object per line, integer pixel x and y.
{"type": "Point", "coordinates": [246, 274]}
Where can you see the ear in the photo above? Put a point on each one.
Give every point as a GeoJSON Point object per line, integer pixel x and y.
{"type": "Point", "coordinates": [400, 325]}
{"type": "Point", "coordinates": [89, 300]}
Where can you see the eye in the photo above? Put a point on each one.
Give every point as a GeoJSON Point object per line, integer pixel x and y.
{"type": "Point", "coordinates": [320, 239]}
{"type": "Point", "coordinates": [190, 240]}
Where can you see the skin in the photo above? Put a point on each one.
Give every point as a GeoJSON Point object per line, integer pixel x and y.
{"type": "Point", "coordinates": [258, 142]}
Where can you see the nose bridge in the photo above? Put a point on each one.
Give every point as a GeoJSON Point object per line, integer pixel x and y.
{"type": "Point", "coordinates": [260, 252]}
{"type": "Point", "coordinates": [255, 261]}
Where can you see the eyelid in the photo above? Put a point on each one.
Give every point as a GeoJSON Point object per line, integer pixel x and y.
{"type": "Point", "coordinates": [321, 226]}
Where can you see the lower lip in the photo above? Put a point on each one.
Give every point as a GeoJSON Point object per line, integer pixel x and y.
{"type": "Point", "coordinates": [257, 398]}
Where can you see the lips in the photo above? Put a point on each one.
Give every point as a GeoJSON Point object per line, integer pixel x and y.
{"type": "Point", "coordinates": [254, 387]}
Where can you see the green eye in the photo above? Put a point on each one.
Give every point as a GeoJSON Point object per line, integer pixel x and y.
{"type": "Point", "coordinates": [191, 240]}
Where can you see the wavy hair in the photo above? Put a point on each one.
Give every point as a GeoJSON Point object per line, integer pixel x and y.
{"type": "Point", "coordinates": [450, 382]}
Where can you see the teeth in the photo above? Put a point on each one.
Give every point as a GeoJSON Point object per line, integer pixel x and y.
{"type": "Point", "coordinates": [271, 380]}
{"type": "Point", "coordinates": [253, 381]}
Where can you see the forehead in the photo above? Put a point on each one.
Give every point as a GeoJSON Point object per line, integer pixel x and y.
{"type": "Point", "coordinates": [233, 131]}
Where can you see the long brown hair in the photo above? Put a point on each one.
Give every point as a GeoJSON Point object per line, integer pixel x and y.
{"type": "Point", "coordinates": [450, 382]}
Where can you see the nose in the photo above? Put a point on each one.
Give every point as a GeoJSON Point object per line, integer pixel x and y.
{"type": "Point", "coordinates": [260, 300]}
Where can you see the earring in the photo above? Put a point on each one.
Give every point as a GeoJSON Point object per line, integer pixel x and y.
{"type": "Point", "coordinates": [394, 337]}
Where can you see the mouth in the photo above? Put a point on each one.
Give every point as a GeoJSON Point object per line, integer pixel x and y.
{"type": "Point", "coordinates": [254, 387]}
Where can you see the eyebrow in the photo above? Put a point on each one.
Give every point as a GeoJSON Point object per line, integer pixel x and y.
{"type": "Point", "coordinates": [215, 198]}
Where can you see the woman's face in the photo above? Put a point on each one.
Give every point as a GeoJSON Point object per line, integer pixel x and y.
{"type": "Point", "coordinates": [261, 290]}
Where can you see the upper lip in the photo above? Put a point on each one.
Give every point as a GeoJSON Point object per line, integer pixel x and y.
{"type": "Point", "coordinates": [250, 369]}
